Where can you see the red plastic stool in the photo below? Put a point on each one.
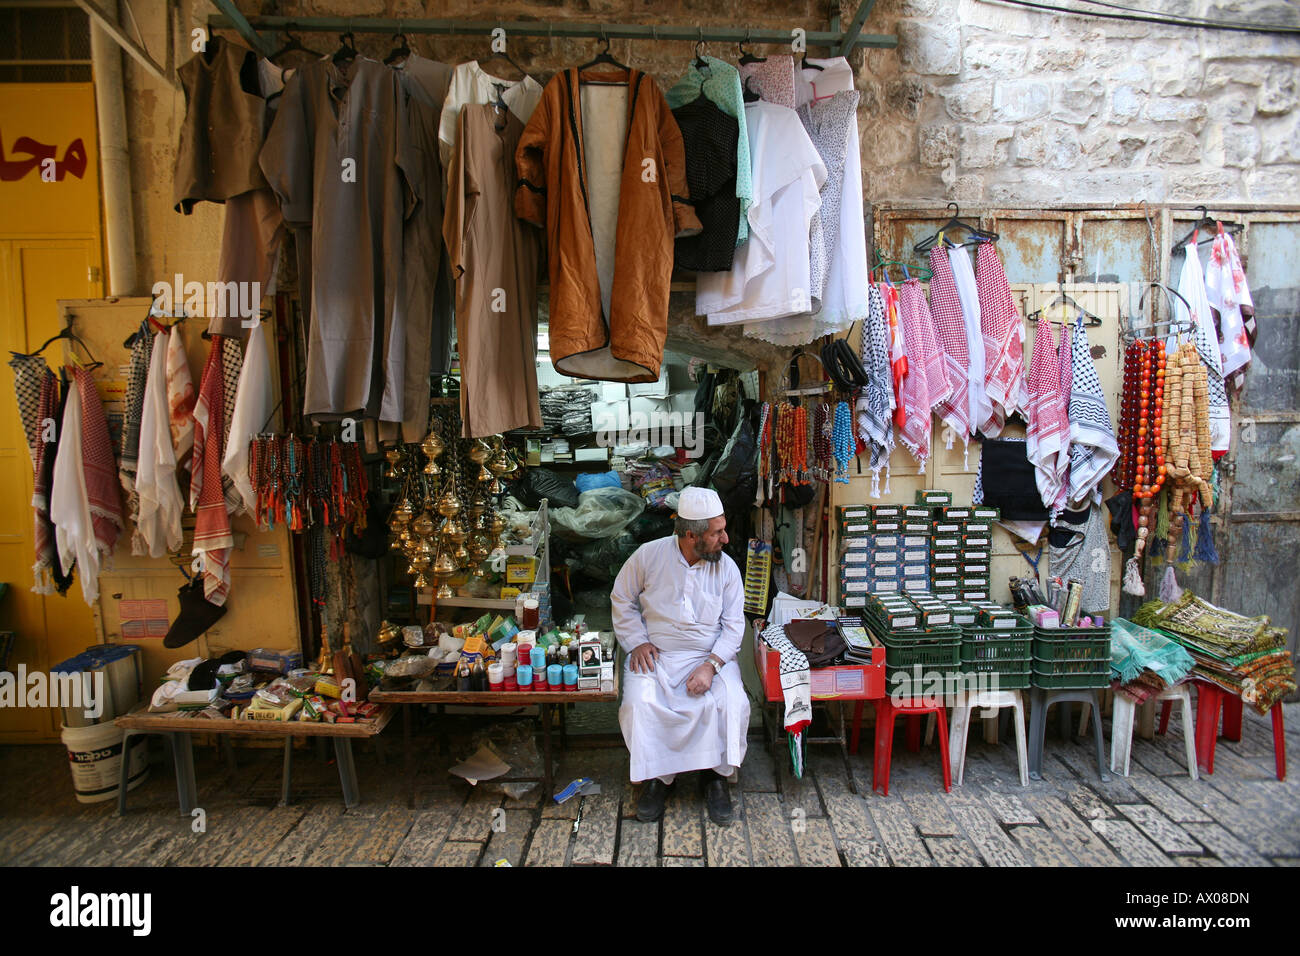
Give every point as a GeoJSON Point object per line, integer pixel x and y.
{"type": "Point", "coordinates": [1211, 700]}
{"type": "Point", "coordinates": [886, 711]}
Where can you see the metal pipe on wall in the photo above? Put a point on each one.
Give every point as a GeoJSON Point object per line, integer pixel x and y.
{"type": "Point", "coordinates": [115, 158]}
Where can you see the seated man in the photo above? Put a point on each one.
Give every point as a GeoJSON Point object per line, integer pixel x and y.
{"type": "Point", "coordinates": [678, 613]}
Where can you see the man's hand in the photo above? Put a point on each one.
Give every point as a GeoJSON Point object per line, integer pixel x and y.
{"type": "Point", "coordinates": [701, 679]}
{"type": "Point", "coordinates": [642, 658]}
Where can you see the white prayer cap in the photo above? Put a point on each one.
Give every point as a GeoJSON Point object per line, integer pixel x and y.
{"type": "Point", "coordinates": [699, 504]}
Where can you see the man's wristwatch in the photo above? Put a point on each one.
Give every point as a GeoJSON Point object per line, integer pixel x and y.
{"type": "Point", "coordinates": [717, 667]}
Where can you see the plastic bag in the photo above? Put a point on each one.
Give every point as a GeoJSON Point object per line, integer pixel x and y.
{"type": "Point", "coordinates": [604, 559]}
{"type": "Point", "coordinates": [590, 482]}
{"type": "Point", "coordinates": [539, 483]}
{"type": "Point", "coordinates": [602, 513]}
{"type": "Point", "coordinates": [516, 745]}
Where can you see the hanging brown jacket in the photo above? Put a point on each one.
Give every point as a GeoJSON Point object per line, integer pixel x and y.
{"type": "Point", "coordinates": [570, 185]}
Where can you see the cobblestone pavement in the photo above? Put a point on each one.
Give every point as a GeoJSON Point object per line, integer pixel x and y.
{"type": "Point", "coordinates": [1242, 815]}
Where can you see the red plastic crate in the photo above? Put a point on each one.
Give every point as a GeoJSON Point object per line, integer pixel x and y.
{"type": "Point", "coordinates": [844, 682]}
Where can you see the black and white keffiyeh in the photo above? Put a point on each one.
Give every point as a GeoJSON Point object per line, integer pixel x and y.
{"type": "Point", "coordinates": [1093, 449]}
{"type": "Point", "coordinates": [29, 375]}
{"type": "Point", "coordinates": [796, 685]}
{"type": "Point", "coordinates": [874, 403]}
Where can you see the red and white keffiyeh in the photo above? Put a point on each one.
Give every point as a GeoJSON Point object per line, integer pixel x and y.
{"type": "Point", "coordinates": [950, 326]}
{"type": "Point", "coordinates": [1229, 295]}
{"type": "Point", "coordinates": [47, 407]}
{"type": "Point", "coordinates": [1000, 323]}
{"type": "Point", "coordinates": [212, 537]}
{"type": "Point", "coordinates": [1048, 435]}
{"type": "Point", "coordinates": [85, 505]}
{"type": "Point", "coordinates": [924, 360]}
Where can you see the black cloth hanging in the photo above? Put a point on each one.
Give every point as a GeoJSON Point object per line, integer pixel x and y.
{"type": "Point", "coordinates": [709, 138]}
{"type": "Point", "coordinates": [1008, 481]}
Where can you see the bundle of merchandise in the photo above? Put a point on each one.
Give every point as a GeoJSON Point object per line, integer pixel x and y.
{"type": "Point", "coordinates": [495, 654]}
{"type": "Point", "coordinates": [1244, 655]}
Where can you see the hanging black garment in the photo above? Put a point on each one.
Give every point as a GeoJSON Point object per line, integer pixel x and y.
{"type": "Point", "coordinates": [709, 139]}
{"type": "Point", "coordinates": [62, 577]}
{"type": "Point", "coordinates": [1009, 483]}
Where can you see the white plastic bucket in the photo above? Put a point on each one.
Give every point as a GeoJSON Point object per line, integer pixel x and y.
{"type": "Point", "coordinates": [95, 756]}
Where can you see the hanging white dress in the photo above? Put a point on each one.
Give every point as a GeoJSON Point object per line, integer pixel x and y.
{"type": "Point", "coordinates": [770, 275]}
{"type": "Point", "coordinates": [158, 526]}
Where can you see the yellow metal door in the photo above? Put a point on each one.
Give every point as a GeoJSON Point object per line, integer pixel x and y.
{"type": "Point", "coordinates": [34, 275]}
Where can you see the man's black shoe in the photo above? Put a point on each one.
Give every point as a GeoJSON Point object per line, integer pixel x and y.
{"type": "Point", "coordinates": [717, 799]}
{"type": "Point", "coordinates": [650, 805]}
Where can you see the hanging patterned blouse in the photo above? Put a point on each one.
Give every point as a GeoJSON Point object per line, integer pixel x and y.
{"type": "Point", "coordinates": [773, 79]}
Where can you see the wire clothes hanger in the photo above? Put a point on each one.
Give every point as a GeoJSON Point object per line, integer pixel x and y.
{"type": "Point", "coordinates": [1193, 234]}
{"type": "Point", "coordinates": [291, 45]}
{"type": "Point", "coordinates": [976, 233]}
{"type": "Point", "coordinates": [603, 58]}
{"type": "Point", "coordinates": [400, 51]}
{"type": "Point", "coordinates": [65, 333]}
{"type": "Point", "coordinates": [882, 266]}
{"type": "Point", "coordinates": [1172, 326]}
{"type": "Point", "coordinates": [503, 55]}
{"type": "Point", "coordinates": [1064, 298]}
{"type": "Point", "coordinates": [347, 51]}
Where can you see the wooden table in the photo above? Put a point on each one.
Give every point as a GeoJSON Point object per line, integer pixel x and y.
{"type": "Point", "coordinates": [546, 700]}
{"type": "Point", "coordinates": [178, 730]}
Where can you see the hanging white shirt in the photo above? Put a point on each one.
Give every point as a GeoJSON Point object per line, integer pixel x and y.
{"type": "Point", "coordinates": [769, 276]}
{"type": "Point", "coordinates": [981, 409]}
{"type": "Point", "coordinates": [74, 529]}
{"type": "Point", "coordinates": [1191, 286]}
{"type": "Point", "coordinates": [252, 409]}
{"type": "Point", "coordinates": [687, 611]}
{"type": "Point", "coordinates": [470, 84]}
{"type": "Point", "coordinates": [158, 527]}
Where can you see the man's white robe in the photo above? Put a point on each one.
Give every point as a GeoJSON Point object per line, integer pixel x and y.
{"type": "Point", "coordinates": [687, 611]}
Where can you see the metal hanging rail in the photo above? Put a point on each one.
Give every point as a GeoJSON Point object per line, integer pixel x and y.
{"type": "Point", "coordinates": [837, 41]}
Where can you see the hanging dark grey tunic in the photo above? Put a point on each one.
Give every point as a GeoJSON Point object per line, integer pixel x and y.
{"type": "Point", "coordinates": [338, 160]}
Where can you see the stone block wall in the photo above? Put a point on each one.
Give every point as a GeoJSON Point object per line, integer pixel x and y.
{"type": "Point", "coordinates": [986, 103]}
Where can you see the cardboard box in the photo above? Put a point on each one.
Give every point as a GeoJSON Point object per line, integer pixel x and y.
{"type": "Point", "coordinates": [985, 512]}
{"type": "Point", "coordinates": [854, 571]}
{"type": "Point", "coordinates": [946, 556]}
{"type": "Point", "coordinates": [916, 526]}
{"type": "Point", "coordinates": [945, 527]}
{"type": "Point", "coordinates": [885, 585]}
{"type": "Point", "coordinates": [886, 540]}
{"type": "Point", "coordinates": [886, 511]}
{"type": "Point", "coordinates": [845, 512]}
{"type": "Point", "coordinates": [918, 512]}
{"type": "Point", "coordinates": [946, 542]}
{"type": "Point", "coordinates": [956, 513]}
{"type": "Point", "coordinates": [916, 540]}
{"type": "Point", "coordinates": [856, 526]}
{"type": "Point", "coordinates": [521, 570]}
{"type": "Point", "coordinates": [972, 541]}
{"type": "Point", "coordinates": [885, 571]}
{"type": "Point", "coordinates": [979, 527]}
{"type": "Point", "coordinates": [856, 557]}
{"type": "Point", "coordinates": [886, 525]}
{"type": "Point", "coordinates": [916, 584]}
{"type": "Point", "coordinates": [974, 595]}
{"type": "Point", "coordinates": [854, 600]}
{"type": "Point", "coordinates": [886, 556]}
{"type": "Point", "coordinates": [610, 417]}
{"type": "Point", "coordinates": [915, 571]}
{"type": "Point", "coordinates": [976, 567]}
{"type": "Point", "coordinates": [914, 555]}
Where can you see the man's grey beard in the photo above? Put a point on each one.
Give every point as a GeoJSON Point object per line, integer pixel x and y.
{"type": "Point", "coordinates": [712, 556]}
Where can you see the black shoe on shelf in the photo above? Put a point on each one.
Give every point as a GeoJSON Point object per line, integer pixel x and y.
{"type": "Point", "coordinates": [650, 805]}
{"type": "Point", "coordinates": [717, 799]}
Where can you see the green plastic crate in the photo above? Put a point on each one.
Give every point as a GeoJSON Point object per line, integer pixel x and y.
{"type": "Point", "coordinates": [929, 651]}
{"type": "Point", "coordinates": [1011, 679]}
{"type": "Point", "coordinates": [949, 681]}
{"type": "Point", "coordinates": [1009, 649]}
{"type": "Point", "coordinates": [1072, 644]}
{"type": "Point", "coordinates": [1071, 674]}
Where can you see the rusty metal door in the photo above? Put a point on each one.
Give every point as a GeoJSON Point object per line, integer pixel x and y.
{"type": "Point", "coordinates": [1261, 534]}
